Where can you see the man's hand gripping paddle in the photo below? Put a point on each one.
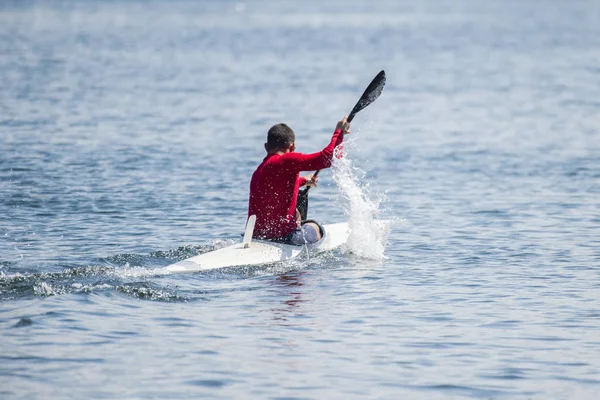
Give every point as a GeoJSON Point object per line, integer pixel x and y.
{"type": "Point", "coordinates": [369, 96]}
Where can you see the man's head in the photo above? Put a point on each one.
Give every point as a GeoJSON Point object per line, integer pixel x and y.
{"type": "Point", "coordinates": [280, 138]}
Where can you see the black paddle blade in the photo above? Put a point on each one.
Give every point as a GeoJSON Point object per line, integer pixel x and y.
{"type": "Point", "coordinates": [302, 203]}
{"type": "Point", "coordinates": [370, 95]}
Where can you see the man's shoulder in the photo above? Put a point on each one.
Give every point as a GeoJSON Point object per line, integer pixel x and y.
{"type": "Point", "coordinates": [292, 156]}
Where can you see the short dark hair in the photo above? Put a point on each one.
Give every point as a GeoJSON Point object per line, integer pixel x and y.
{"type": "Point", "coordinates": [279, 137]}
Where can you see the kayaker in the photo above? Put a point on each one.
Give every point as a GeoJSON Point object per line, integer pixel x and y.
{"type": "Point", "coordinates": [275, 183]}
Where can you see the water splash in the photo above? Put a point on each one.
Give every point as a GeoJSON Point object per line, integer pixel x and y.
{"type": "Point", "coordinates": [79, 280]}
{"type": "Point", "coordinates": [368, 235]}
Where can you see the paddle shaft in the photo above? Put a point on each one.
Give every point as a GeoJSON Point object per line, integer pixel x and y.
{"type": "Point", "coordinates": [350, 118]}
{"type": "Point", "coordinates": [371, 94]}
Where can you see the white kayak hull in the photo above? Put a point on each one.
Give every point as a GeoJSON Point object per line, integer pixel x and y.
{"type": "Point", "coordinates": [260, 252]}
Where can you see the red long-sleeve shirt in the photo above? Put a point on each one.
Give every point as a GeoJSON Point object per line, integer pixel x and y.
{"type": "Point", "coordinates": [274, 188]}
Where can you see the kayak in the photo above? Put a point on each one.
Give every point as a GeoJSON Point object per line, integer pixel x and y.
{"type": "Point", "coordinates": [257, 252]}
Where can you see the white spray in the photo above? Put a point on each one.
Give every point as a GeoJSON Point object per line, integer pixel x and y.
{"type": "Point", "coordinates": [368, 236]}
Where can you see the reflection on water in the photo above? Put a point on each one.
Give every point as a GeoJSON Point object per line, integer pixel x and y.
{"type": "Point", "coordinates": [288, 288]}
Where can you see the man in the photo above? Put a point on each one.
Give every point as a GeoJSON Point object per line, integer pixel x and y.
{"type": "Point", "coordinates": [275, 183]}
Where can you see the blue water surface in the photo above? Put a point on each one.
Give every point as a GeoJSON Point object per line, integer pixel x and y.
{"type": "Point", "coordinates": [128, 134]}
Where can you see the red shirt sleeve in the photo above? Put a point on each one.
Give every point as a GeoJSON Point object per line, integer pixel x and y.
{"type": "Point", "coordinates": [301, 181]}
{"type": "Point", "coordinates": [314, 161]}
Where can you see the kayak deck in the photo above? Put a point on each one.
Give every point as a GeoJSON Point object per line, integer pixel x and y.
{"type": "Point", "coordinates": [260, 252]}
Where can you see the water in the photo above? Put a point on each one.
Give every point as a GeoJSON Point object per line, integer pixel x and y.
{"type": "Point", "coordinates": [128, 134]}
{"type": "Point", "coordinates": [368, 234]}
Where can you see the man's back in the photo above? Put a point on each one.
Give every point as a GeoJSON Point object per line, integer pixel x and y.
{"type": "Point", "coordinates": [273, 190]}
{"type": "Point", "coordinates": [274, 185]}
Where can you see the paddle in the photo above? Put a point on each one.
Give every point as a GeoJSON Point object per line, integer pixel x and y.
{"type": "Point", "coordinates": [369, 96]}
